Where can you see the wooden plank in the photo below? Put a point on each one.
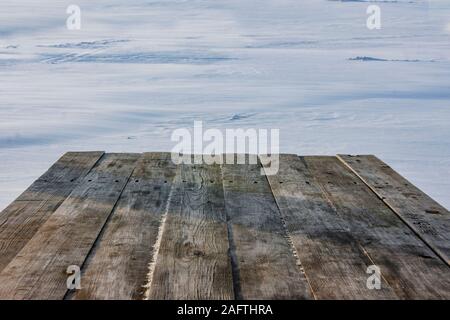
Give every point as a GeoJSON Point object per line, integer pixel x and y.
{"type": "Point", "coordinates": [39, 270]}
{"type": "Point", "coordinates": [22, 218]}
{"type": "Point", "coordinates": [61, 177]}
{"type": "Point", "coordinates": [426, 217]}
{"type": "Point", "coordinates": [193, 261]}
{"type": "Point", "coordinates": [264, 258]}
{"type": "Point", "coordinates": [335, 263]}
{"type": "Point", "coordinates": [117, 267]}
{"type": "Point", "coordinates": [410, 267]}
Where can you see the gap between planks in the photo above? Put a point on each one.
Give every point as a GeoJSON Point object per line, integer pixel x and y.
{"type": "Point", "coordinates": [37, 271]}
{"type": "Point", "coordinates": [290, 239]}
{"type": "Point", "coordinates": [91, 251]}
{"type": "Point", "coordinates": [23, 218]}
{"type": "Point", "coordinates": [428, 240]}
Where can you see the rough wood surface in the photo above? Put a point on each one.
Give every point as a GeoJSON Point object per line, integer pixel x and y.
{"type": "Point", "coordinates": [39, 270]}
{"type": "Point", "coordinates": [425, 216]}
{"type": "Point", "coordinates": [410, 267]}
{"type": "Point", "coordinates": [334, 262]}
{"type": "Point", "coordinates": [118, 265]}
{"type": "Point", "coordinates": [140, 226]}
{"type": "Point", "coordinates": [20, 220]}
{"type": "Point", "coordinates": [193, 261]}
{"type": "Point", "coordinates": [60, 179]}
{"type": "Point", "coordinates": [264, 259]}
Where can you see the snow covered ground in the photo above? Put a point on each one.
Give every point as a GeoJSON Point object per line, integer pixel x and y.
{"type": "Point", "coordinates": [138, 69]}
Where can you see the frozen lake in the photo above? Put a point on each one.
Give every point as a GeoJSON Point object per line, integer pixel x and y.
{"type": "Point", "coordinates": [139, 69]}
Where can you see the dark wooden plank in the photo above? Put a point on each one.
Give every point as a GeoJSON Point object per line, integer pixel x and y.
{"type": "Point", "coordinates": [22, 218]}
{"type": "Point", "coordinates": [117, 267]}
{"type": "Point", "coordinates": [410, 267]}
{"type": "Point", "coordinates": [39, 270]}
{"type": "Point", "coordinates": [192, 260]}
{"type": "Point", "coordinates": [426, 217]}
{"type": "Point", "coordinates": [264, 258]}
{"type": "Point", "coordinates": [335, 263]}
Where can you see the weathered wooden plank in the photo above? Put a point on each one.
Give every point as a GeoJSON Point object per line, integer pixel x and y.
{"type": "Point", "coordinates": [119, 263]}
{"type": "Point", "coordinates": [410, 267]}
{"type": "Point", "coordinates": [39, 270]}
{"type": "Point", "coordinates": [334, 262]}
{"type": "Point", "coordinates": [166, 156]}
{"type": "Point", "coordinates": [22, 218]}
{"type": "Point", "coordinates": [264, 258]}
{"type": "Point", "coordinates": [426, 217]}
{"type": "Point", "coordinates": [193, 261]}
{"type": "Point", "coordinates": [60, 179]}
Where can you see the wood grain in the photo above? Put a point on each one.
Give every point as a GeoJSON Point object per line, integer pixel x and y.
{"type": "Point", "coordinates": [39, 270]}
{"type": "Point", "coordinates": [408, 265]}
{"type": "Point", "coordinates": [59, 180]}
{"type": "Point", "coordinates": [426, 217]}
{"type": "Point", "coordinates": [118, 265]}
{"type": "Point", "coordinates": [22, 218]}
{"type": "Point", "coordinates": [265, 262]}
{"type": "Point", "coordinates": [334, 261]}
{"type": "Point", "coordinates": [136, 223]}
{"type": "Point", "coordinates": [193, 261]}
